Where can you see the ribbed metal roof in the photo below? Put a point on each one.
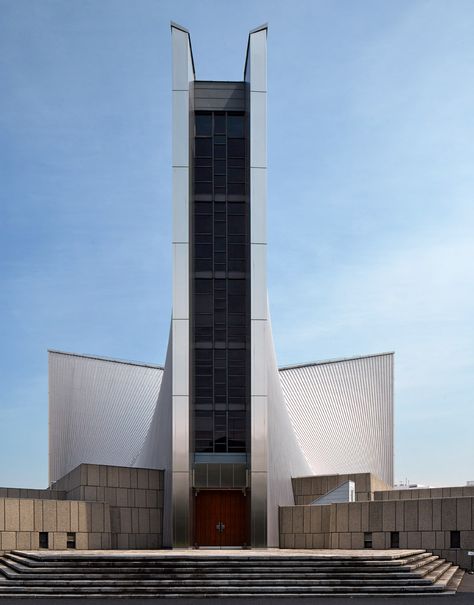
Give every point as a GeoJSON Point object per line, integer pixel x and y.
{"type": "Point", "coordinates": [99, 410]}
{"type": "Point", "coordinates": [342, 414]}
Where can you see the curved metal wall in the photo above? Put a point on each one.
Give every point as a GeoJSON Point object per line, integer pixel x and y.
{"type": "Point", "coordinates": [342, 414]}
{"type": "Point", "coordinates": [99, 410]}
{"type": "Point", "coordinates": [285, 459]}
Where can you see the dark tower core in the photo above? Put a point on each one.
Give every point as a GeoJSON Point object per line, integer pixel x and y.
{"type": "Point", "coordinates": [220, 321]}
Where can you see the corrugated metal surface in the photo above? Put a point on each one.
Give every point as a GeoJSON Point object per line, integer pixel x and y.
{"type": "Point", "coordinates": [99, 410]}
{"type": "Point", "coordinates": [284, 458]}
{"type": "Point", "coordinates": [342, 414]}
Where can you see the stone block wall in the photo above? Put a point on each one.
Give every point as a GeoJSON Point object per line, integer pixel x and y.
{"type": "Point", "coordinates": [307, 489]}
{"type": "Point", "coordinates": [104, 506]}
{"type": "Point", "coordinates": [42, 494]}
{"type": "Point", "coordinates": [135, 497]}
{"type": "Point", "coordinates": [420, 523]}
{"type": "Point", "coordinates": [429, 492]}
{"type": "Point", "coordinates": [22, 520]}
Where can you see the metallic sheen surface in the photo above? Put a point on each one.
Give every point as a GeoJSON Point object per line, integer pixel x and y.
{"type": "Point", "coordinates": [183, 76]}
{"type": "Point", "coordinates": [99, 410]}
{"type": "Point", "coordinates": [255, 77]}
{"type": "Point", "coordinates": [332, 417]}
{"type": "Point", "coordinates": [342, 414]}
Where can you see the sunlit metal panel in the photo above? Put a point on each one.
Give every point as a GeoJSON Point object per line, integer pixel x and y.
{"type": "Point", "coordinates": [342, 414]}
{"type": "Point", "coordinates": [99, 410]}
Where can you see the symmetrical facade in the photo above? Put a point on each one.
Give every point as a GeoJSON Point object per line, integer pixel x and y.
{"type": "Point", "coordinates": [228, 428]}
{"type": "Point", "coordinates": [220, 447]}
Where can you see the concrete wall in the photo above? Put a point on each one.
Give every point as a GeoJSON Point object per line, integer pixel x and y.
{"type": "Point", "coordinates": [41, 494]}
{"type": "Point", "coordinates": [421, 523]}
{"type": "Point", "coordinates": [135, 497]}
{"type": "Point", "coordinates": [307, 489]}
{"type": "Point", "coordinates": [21, 520]}
{"type": "Point", "coordinates": [433, 492]}
{"type": "Point", "coordinates": [105, 506]}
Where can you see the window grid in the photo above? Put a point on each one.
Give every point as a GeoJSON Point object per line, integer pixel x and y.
{"type": "Point", "coordinates": [220, 283]}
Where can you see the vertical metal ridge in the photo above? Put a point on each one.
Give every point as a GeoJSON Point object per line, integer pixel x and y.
{"type": "Point", "coordinates": [183, 76]}
{"type": "Point", "coordinates": [256, 85]}
{"type": "Point", "coordinates": [99, 411]}
{"type": "Point", "coordinates": [342, 414]}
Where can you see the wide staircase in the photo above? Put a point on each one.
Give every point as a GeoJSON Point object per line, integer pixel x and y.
{"type": "Point", "coordinates": [245, 573]}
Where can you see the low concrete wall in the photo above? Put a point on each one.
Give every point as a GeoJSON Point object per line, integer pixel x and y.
{"type": "Point", "coordinates": [423, 523]}
{"type": "Point", "coordinates": [21, 521]}
{"type": "Point", "coordinates": [307, 489]}
{"type": "Point", "coordinates": [429, 492]}
{"type": "Point", "coordinates": [135, 496]}
{"type": "Point", "coordinates": [105, 506]}
{"type": "Point", "coordinates": [41, 494]}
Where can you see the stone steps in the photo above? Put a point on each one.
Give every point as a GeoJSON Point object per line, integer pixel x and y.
{"type": "Point", "coordinates": [42, 574]}
{"type": "Point", "coordinates": [453, 584]}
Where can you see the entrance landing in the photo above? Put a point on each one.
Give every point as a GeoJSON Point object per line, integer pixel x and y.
{"type": "Point", "coordinates": [323, 554]}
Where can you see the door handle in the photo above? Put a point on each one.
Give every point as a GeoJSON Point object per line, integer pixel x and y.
{"type": "Point", "coordinates": [220, 527]}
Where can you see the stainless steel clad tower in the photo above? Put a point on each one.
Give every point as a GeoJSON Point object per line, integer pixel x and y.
{"type": "Point", "coordinates": [216, 418]}
{"type": "Point", "coordinates": [221, 342]}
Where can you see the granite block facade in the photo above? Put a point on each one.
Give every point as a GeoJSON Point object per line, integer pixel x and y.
{"type": "Point", "coordinates": [419, 523]}
{"type": "Point", "coordinates": [103, 506]}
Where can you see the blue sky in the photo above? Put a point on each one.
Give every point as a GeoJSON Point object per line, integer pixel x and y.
{"type": "Point", "coordinates": [371, 205]}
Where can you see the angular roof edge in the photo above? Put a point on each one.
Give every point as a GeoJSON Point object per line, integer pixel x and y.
{"type": "Point", "coordinates": [253, 31]}
{"type": "Point", "coordinates": [109, 359]}
{"type": "Point", "coordinates": [186, 31]}
{"type": "Point", "coordinates": [338, 360]}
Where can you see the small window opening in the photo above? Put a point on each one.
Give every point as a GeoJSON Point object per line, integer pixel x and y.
{"type": "Point", "coordinates": [43, 539]}
{"type": "Point", "coordinates": [71, 540]}
{"type": "Point", "coordinates": [455, 539]}
{"type": "Point", "coordinates": [394, 539]}
{"type": "Point", "coordinates": [368, 539]}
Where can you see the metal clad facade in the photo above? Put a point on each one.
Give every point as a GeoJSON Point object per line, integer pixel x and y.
{"type": "Point", "coordinates": [256, 80]}
{"type": "Point", "coordinates": [183, 77]}
{"type": "Point", "coordinates": [342, 414]}
{"type": "Point", "coordinates": [99, 410]}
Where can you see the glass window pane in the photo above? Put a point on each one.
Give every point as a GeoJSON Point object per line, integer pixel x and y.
{"type": "Point", "coordinates": [236, 208]}
{"type": "Point", "coordinates": [203, 174]}
{"type": "Point", "coordinates": [203, 207]}
{"type": "Point", "coordinates": [235, 175]}
{"type": "Point", "coordinates": [203, 148]}
{"type": "Point", "coordinates": [203, 286]}
{"type": "Point", "coordinates": [203, 188]}
{"type": "Point", "coordinates": [219, 228]}
{"type": "Point", "coordinates": [236, 188]}
{"type": "Point", "coordinates": [236, 251]}
{"type": "Point", "coordinates": [203, 320]}
{"type": "Point", "coordinates": [203, 124]}
{"type": "Point", "coordinates": [219, 123]}
{"type": "Point", "coordinates": [203, 303]}
{"type": "Point", "coordinates": [198, 162]}
{"type": "Point", "coordinates": [201, 264]}
{"type": "Point", "coordinates": [236, 148]}
{"type": "Point", "coordinates": [219, 152]}
{"type": "Point", "coordinates": [235, 126]}
{"type": "Point", "coordinates": [203, 223]}
{"type": "Point", "coordinates": [203, 251]}
{"type": "Point", "coordinates": [238, 266]}
{"type": "Point", "coordinates": [219, 166]}
{"type": "Point", "coordinates": [236, 224]}
{"type": "Point", "coordinates": [236, 162]}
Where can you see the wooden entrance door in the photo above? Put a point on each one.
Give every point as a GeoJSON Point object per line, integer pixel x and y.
{"type": "Point", "coordinates": [221, 518]}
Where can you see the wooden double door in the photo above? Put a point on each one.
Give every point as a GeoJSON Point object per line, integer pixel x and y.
{"type": "Point", "coordinates": [221, 518]}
